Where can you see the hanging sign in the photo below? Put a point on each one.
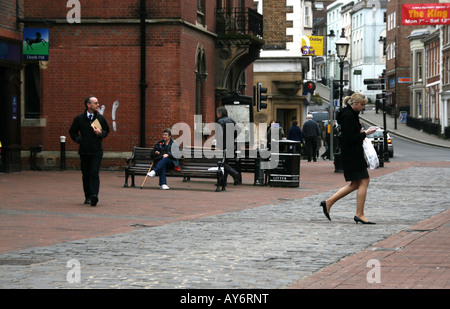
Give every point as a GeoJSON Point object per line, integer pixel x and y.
{"type": "Point", "coordinates": [426, 14]}
{"type": "Point", "coordinates": [35, 44]}
{"type": "Point", "coordinates": [312, 45]}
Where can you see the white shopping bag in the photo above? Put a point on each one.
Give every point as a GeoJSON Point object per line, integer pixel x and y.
{"type": "Point", "coordinates": [370, 154]}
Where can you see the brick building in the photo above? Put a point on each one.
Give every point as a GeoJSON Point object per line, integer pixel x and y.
{"type": "Point", "coordinates": [398, 57]}
{"type": "Point", "coordinates": [445, 94]}
{"type": "Point", "coordinates": [433, 76]}
{"type": "Point", "coordinates": [151, 64]}
{"type": "Point", "coordinates": [282, 68]}
{"type": "Point", "coordinates": [10, 80]}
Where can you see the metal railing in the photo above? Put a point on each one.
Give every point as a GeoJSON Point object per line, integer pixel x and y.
{"type": "Point", "coordinates": [239, 21]}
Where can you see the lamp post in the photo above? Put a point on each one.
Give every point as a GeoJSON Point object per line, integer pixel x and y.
{"type": "Point", "coordinates": [342, 46]}
{"type": "Point", "coordinates": [382, 41]}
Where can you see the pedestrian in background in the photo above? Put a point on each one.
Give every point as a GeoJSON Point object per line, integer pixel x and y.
{"type": "Point", "coordinates": [311, 133]}
{"type": "Point", "coordinates": [88, 130]}
{"type": "Point", "coordinates": [275, 124]}
{"type": "Point", "coordinates": [295, 133]}
{"type": "Point", "coordinates": [327, 142]}
{"type": "Point", "coordinates": [353, 160]}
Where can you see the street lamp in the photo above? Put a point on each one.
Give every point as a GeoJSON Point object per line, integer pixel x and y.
{"type": "Point", "coordinates": [342, 46]}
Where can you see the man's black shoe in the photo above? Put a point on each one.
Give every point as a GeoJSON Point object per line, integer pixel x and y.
{"type": "Point", "coordinates": [87, 201]}
{"type": "Point", "coordinates": [94, 200]}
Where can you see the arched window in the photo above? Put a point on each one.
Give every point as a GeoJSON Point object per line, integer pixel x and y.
{"type": "Point", "coordinates": [200, 77]}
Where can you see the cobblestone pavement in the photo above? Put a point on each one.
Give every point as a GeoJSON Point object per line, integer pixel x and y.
{"type": "Point", "coordinates": [268, 246]}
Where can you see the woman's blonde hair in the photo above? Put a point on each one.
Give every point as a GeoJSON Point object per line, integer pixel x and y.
{"type": "Point", "coordinates": [357, 97]}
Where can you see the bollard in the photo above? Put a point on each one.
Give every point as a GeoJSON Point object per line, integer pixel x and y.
{"type": "Point", "coordinates": [259, 172]}
{"type": "Point", "coordinates": [62, 159]}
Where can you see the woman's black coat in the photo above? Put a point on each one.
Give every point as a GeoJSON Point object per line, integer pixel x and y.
{"type": "Point", "coordinates": [351, 140]}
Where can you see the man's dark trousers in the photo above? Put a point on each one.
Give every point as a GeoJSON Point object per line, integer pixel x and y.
{"type": "Point", "coordinates": [311, 147]}
{"type": "Point", "coordinates": [90, 169]}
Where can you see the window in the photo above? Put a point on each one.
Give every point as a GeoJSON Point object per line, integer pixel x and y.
{"type": "Point", "coordinates": [391, 21]}
{"type": "Point", "coordinates": [201, 11]}
{"type": "Point", "coordinates": [419, 72]}
{"type": "Point", "coordinates": [419, 104]}
{"type": "Point", "coordinates": [200, 77]}
{"type": "Point", "coordinates": [32, 91]}
{"type": "Point", "coordinates": [391, 51]}
{"type": "Point", "coordinates": [307, 17]}
{"type": "Point", "coordinates": [447, 70]}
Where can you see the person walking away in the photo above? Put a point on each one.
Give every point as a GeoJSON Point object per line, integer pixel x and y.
{"type": "Point", "coordinates": [163, 158]}
{"type": "Point", "coordinates": [223, 120]}
{"type": "Point", "coordinates": [295, 133]}
{"type": "Point", "coordinates": [88, 129]}
{"type": "Point", "coordinates": [353, 161]}
{"type": "Point", "coordinates": [311, 133]}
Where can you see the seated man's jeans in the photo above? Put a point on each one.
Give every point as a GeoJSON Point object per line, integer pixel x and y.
{"type": "Point", "coordinates": [160, 169]}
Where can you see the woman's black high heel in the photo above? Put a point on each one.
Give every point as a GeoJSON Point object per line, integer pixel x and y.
{"type": "Point", "coordinates": [360, 220]}
{"type": "Point", "coordinates": [324, 207]}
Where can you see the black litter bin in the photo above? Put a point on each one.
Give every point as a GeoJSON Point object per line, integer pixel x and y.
{"type": "Point", "coordinates": [287, 171]}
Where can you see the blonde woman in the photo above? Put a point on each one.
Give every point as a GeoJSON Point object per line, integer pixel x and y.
{"type": "Point", "coordinates": [353, 161]}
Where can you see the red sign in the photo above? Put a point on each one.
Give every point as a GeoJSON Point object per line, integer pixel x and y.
{"type": "Point", "coordinates": [426, 14]}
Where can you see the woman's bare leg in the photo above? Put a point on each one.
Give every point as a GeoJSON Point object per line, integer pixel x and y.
{"type": "Point", "coordinates": [361, 198]}
{"type": "Point", "coordinates": [342, 192]}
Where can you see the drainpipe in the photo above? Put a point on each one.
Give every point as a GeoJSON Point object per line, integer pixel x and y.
{"type": "Point", "coordinates": [143, 83]}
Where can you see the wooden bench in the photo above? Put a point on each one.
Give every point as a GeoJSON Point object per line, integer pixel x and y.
{"type": "Point", "coordinates": [140, 161]}
{"type": "Point", "coordinates": [248, 164]}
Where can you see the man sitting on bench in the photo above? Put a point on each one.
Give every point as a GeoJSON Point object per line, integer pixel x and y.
{"type": "Point", "coordinates": [163, 158]}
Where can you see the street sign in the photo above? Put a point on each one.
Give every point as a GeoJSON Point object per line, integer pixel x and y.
{"type": "Point", "coordinates": [371, 81]}
{"type": "Point", "coordinates": [375, 87]}
{"type": "Point", "coordinates": [381, 96]}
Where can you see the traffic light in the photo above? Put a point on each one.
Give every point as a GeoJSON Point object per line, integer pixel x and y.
{"type": "Point", "coordinates": [336, 88]}
{"type": "Point", "coordinates": [260, 97]}
{"type": "Point", "coordinates": [309, 87]}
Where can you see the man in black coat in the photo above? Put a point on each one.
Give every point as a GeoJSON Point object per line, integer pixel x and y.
{"type": "Point", "coordinates": [88, 130]}
{"type": "Point", "coordinates": [223, 120]}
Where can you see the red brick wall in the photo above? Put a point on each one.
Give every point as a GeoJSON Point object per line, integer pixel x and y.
{"type": "Point", "coordinates": [87, 59]}
{"type": "Point", "coordinates": [274, 13]}
{"type": "Point", "coordinates": [401, 63]}
{"type": "Point", "coordinates": [89, 9]}
{"type": "Point", "coordinates": [104, 60]}
{"type": "Point", "coordinates": [8, 25]}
